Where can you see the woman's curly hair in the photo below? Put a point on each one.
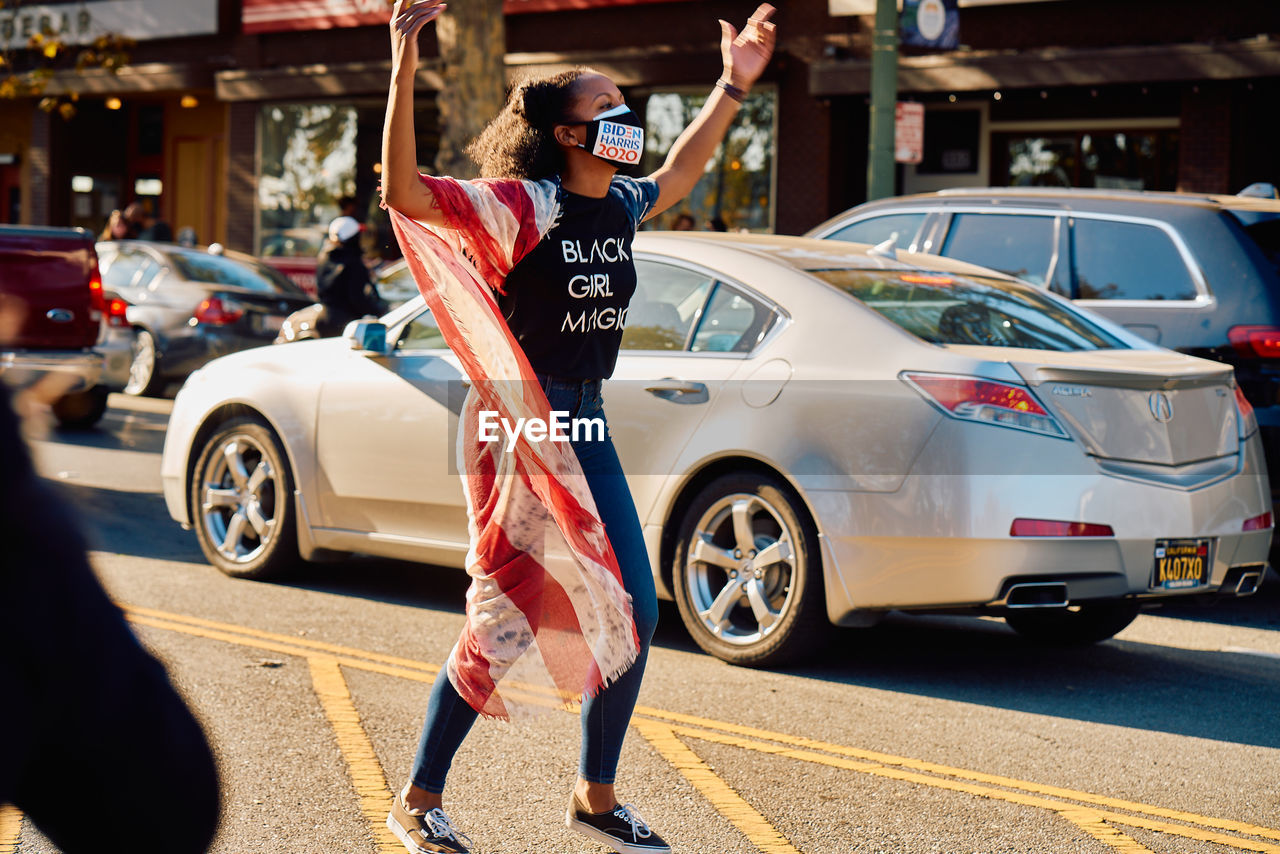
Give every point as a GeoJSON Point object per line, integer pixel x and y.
{"type": "Point", "coordinates": [518, 143]}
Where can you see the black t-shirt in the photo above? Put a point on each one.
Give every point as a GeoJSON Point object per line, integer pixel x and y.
{"type": "Point", "coordinates": [566, 301]}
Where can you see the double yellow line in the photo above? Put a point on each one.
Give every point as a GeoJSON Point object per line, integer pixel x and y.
{"type": "Point", "coordinates": [669, 733]}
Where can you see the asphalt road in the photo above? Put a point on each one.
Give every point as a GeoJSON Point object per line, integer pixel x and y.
{"type": "Point", "coordinates": [920, 735]}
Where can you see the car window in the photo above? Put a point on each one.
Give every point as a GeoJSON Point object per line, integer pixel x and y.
{"type": "Point", "coordinates": [946, 309]}
{"type": "Point", "coordinates": [220, 270]}
{"type": "Point", "coordinates": [147, 274]}
{"type": "Point", "coordinates": [1128, 260]}
{"type": "Point", "coordinates": [1020, 245]}
{"type": "Point", "coordinates": [666, 304]}
{"type": "Point", "coordinates": [902, 228]}
{"type": "Point", "coordinates": [118, 272]}
{"type": "Point", "coordinates": [732, 323]}
{"type": "Point", "coordinates": [422, 333]}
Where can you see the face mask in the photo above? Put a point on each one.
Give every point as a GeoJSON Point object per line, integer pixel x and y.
{"type": "Point", "coordinates": [616, 135]}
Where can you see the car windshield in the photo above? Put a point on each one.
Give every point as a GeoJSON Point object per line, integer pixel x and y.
{"type": "Point", "coordinates": [249, 274]}
{"type": "Point", "coordinates": [945, 309]}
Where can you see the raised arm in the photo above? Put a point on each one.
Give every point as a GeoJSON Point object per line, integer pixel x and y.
{"type": "Point", "coordinates": [745, 56]}
{"type": "Point", "coordinates": [401, 188]}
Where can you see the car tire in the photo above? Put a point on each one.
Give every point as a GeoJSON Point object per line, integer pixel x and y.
{"type": "Point", "coordinates": [144, 378]}
{"type": "Point", "coordinates": [241, 493]}
{"type": "Point", "coordinates": [81, 410]}
{"type": "Point", "coordinates": [1076, 626]}
{"type": "Point", "coordinates": [779, 613]}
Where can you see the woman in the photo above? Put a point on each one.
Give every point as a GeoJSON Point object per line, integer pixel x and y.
{"type": "Point", "coordinates": [552, 235]}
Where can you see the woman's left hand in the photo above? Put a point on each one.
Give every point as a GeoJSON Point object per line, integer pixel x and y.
{"type": "Point", "coordinates": [746, 53]}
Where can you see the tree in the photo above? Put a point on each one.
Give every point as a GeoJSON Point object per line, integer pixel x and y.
{"type": "Point", "coordinates": [25, 72]}
{"type": "Point", "coordinates": [473, 39]}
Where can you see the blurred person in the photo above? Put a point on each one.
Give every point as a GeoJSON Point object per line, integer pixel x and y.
{"type": "Point", "coordinates": [101, 749]}
{"type": "Point", "coordinates": [347, 206]}
{"type": "Point", "coordinates": [684, 222]}
{"type": "Point", "coordinates": [717, 224]}
{"type": "Point", "coordinates": [343, 282]}
{"type": "Point", "coordinates": [145, 226]}
{"type": "Point", "coordinates": [117, 227]}
{"type": "Point", "coordinates": [503, 262]}
{"type": "Point", "coordinates": [187, 237]}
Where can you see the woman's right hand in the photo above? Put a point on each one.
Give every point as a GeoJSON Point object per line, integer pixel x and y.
{"type": "Point", "coordinates": [407, 20]}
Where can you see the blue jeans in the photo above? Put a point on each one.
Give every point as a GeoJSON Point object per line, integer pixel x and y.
{"type": "Point", "coordinates": [605, 717]}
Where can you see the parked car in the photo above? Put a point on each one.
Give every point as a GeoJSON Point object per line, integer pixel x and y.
{"type": "Point", "coordinates": [51, 296]}
{"type": "Point", "coordinates": [1199, 274]}
{"type": "Point", "coordinates": [295, 252]}
{"type": "Point", "coordinates": [190, 305]}
{"type": "Point", "coordinates": [812, 433]}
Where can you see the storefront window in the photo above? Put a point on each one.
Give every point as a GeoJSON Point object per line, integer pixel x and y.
{"type": "Point", "coordinates": [308, 161]}
{"type": "Point", "coordinates": [1118, 160]}
{"type": "Point", "coordinates": [736, 192]}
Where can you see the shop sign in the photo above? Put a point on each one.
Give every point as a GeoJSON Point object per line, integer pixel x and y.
{"type": "Point", "coordinates": [908, 132]}
{"type": "Point", "coordinates": [267, 16]}
{"type": "Point", "coordinates": [83, 22]}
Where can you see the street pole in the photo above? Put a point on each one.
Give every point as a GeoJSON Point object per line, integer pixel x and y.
{"type": "Point", "coordinates": [884, 99]}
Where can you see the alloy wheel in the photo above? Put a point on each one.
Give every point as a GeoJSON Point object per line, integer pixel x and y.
{"type": "Point", "coordinates": [239, 495]}
{"type": "Point", "coordinates": [740, 567]}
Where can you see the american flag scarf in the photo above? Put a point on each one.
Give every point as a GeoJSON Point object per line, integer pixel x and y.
{"type": "Point", "coordinates": [546, 609]}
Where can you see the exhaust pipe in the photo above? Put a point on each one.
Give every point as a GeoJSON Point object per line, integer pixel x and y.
{"type": "Point", "coordinates": [1248, 583]}
{"type": "Point", "coordinates": [1037, 594]}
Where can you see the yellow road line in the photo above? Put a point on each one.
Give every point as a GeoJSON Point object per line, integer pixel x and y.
{"type": "Point", "coordinates": [10, 828]}
{"type": "Point", "coordinates": [724, 799]}
{"type": "Point", "coordinates": [366, 772]}
{"type": "Point", "coordinates": [965, 774]}
{"type": "Point", "coordinates": [780, 744]}
{"type": "Point", "coordinates": [1091, 823]}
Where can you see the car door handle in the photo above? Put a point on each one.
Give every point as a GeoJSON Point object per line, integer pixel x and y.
{"type": "Point", "coordinates": [669, 387]}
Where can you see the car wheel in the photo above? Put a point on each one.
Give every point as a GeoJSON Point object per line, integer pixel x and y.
{"type": "Point", "coordinates": [241, 494]}
{"type": "Point", "coordinates": [81, 410]}
{"type": "Point", "coordinates": [1077, 625]}
{"type": "Point", "coordinates": [143, 378]}
{"type": "Point", "coordinates": [747, 573]}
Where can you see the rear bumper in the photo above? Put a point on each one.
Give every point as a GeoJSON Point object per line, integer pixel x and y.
{"type": "Point", "coordinates": [61, 372]}
{"type": "Point", "coordinates": [188, 350]}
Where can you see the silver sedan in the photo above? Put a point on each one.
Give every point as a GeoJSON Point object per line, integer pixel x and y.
{"type": "Point", "coordinates": [815, 433]}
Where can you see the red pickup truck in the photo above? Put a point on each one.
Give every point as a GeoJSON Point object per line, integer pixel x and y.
{"type": "Point", "coordinates": [52, 314]}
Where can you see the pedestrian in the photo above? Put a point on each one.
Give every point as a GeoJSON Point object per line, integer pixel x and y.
{"type": "Point", "coordinates": [342, 279]}
{"type": "Point", "coordinates": [717, 223]}
{"type": "Point", "coordinates": [86, 708]}
{"type": "Point", "coordinates": [548, 228]}
{"type": "Point", "coordinates": [684, 222]}
{"type": "Point", "coordinates": [144, 226]}
{"type": "Point", "coordinates": [117, 227]}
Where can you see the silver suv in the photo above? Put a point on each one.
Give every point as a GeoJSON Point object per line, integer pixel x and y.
{"type": "Point", "coordinates": [1200, 274]}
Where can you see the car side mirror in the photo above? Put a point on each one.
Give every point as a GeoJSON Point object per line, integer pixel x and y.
{"type": "Point", "coordinates": [367, 336]}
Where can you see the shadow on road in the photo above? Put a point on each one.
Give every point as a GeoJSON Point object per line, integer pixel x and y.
{"type": "Point", "coordinates": [1220, 695]}
{"type": "Point", "coordinates": [131, 523]}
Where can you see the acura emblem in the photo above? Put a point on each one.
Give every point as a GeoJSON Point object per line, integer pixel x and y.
{"type": "Point", "coordinates": [1161, 407]}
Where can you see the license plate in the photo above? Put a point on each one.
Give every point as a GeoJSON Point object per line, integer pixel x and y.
{"type": "Point", "coordinates": [270, 323]}
{"type": "Point", "coordinates": [1181, 564]}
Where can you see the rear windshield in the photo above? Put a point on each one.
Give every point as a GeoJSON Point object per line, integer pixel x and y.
{"type": "Point", "coordinates": [219, 270]}
{"type": "Point", "coordinates": [944, 309]}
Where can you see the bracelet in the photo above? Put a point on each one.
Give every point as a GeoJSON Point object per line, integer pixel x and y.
{"type": "Point", "coordinates": [732, 91]}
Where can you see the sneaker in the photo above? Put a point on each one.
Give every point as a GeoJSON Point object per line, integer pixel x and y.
{"type": "Point", "coordinates": [621, 828]}
{"type": "Point", "coordinates": [428, 832]}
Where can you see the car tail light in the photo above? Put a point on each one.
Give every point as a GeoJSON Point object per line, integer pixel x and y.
{"type": "Point", "coordinates": [97, 303]}
{"type": "Point", "coordinates": [215, 311]}
{"type": "Point", "coordinates": [986, 401]}
{"type": "Point", "coordinates": [117, 310]}
{"type": "Point", "coordinates": [1259, 523]}
{"type": "Point", "coordinates": [1262, 342]}
{"type": "Point", "coordinates": [1051, 528]}
{"type": "Point", "coordinates": [1248, 419]}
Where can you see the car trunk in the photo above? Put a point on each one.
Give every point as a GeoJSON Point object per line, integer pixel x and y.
{"type": "Point", "coordinates": [263, 313]}
{"type": "Point", "coordinates": [48, 271]}
{"type": "Point", "coordinates": [1140, 406]}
